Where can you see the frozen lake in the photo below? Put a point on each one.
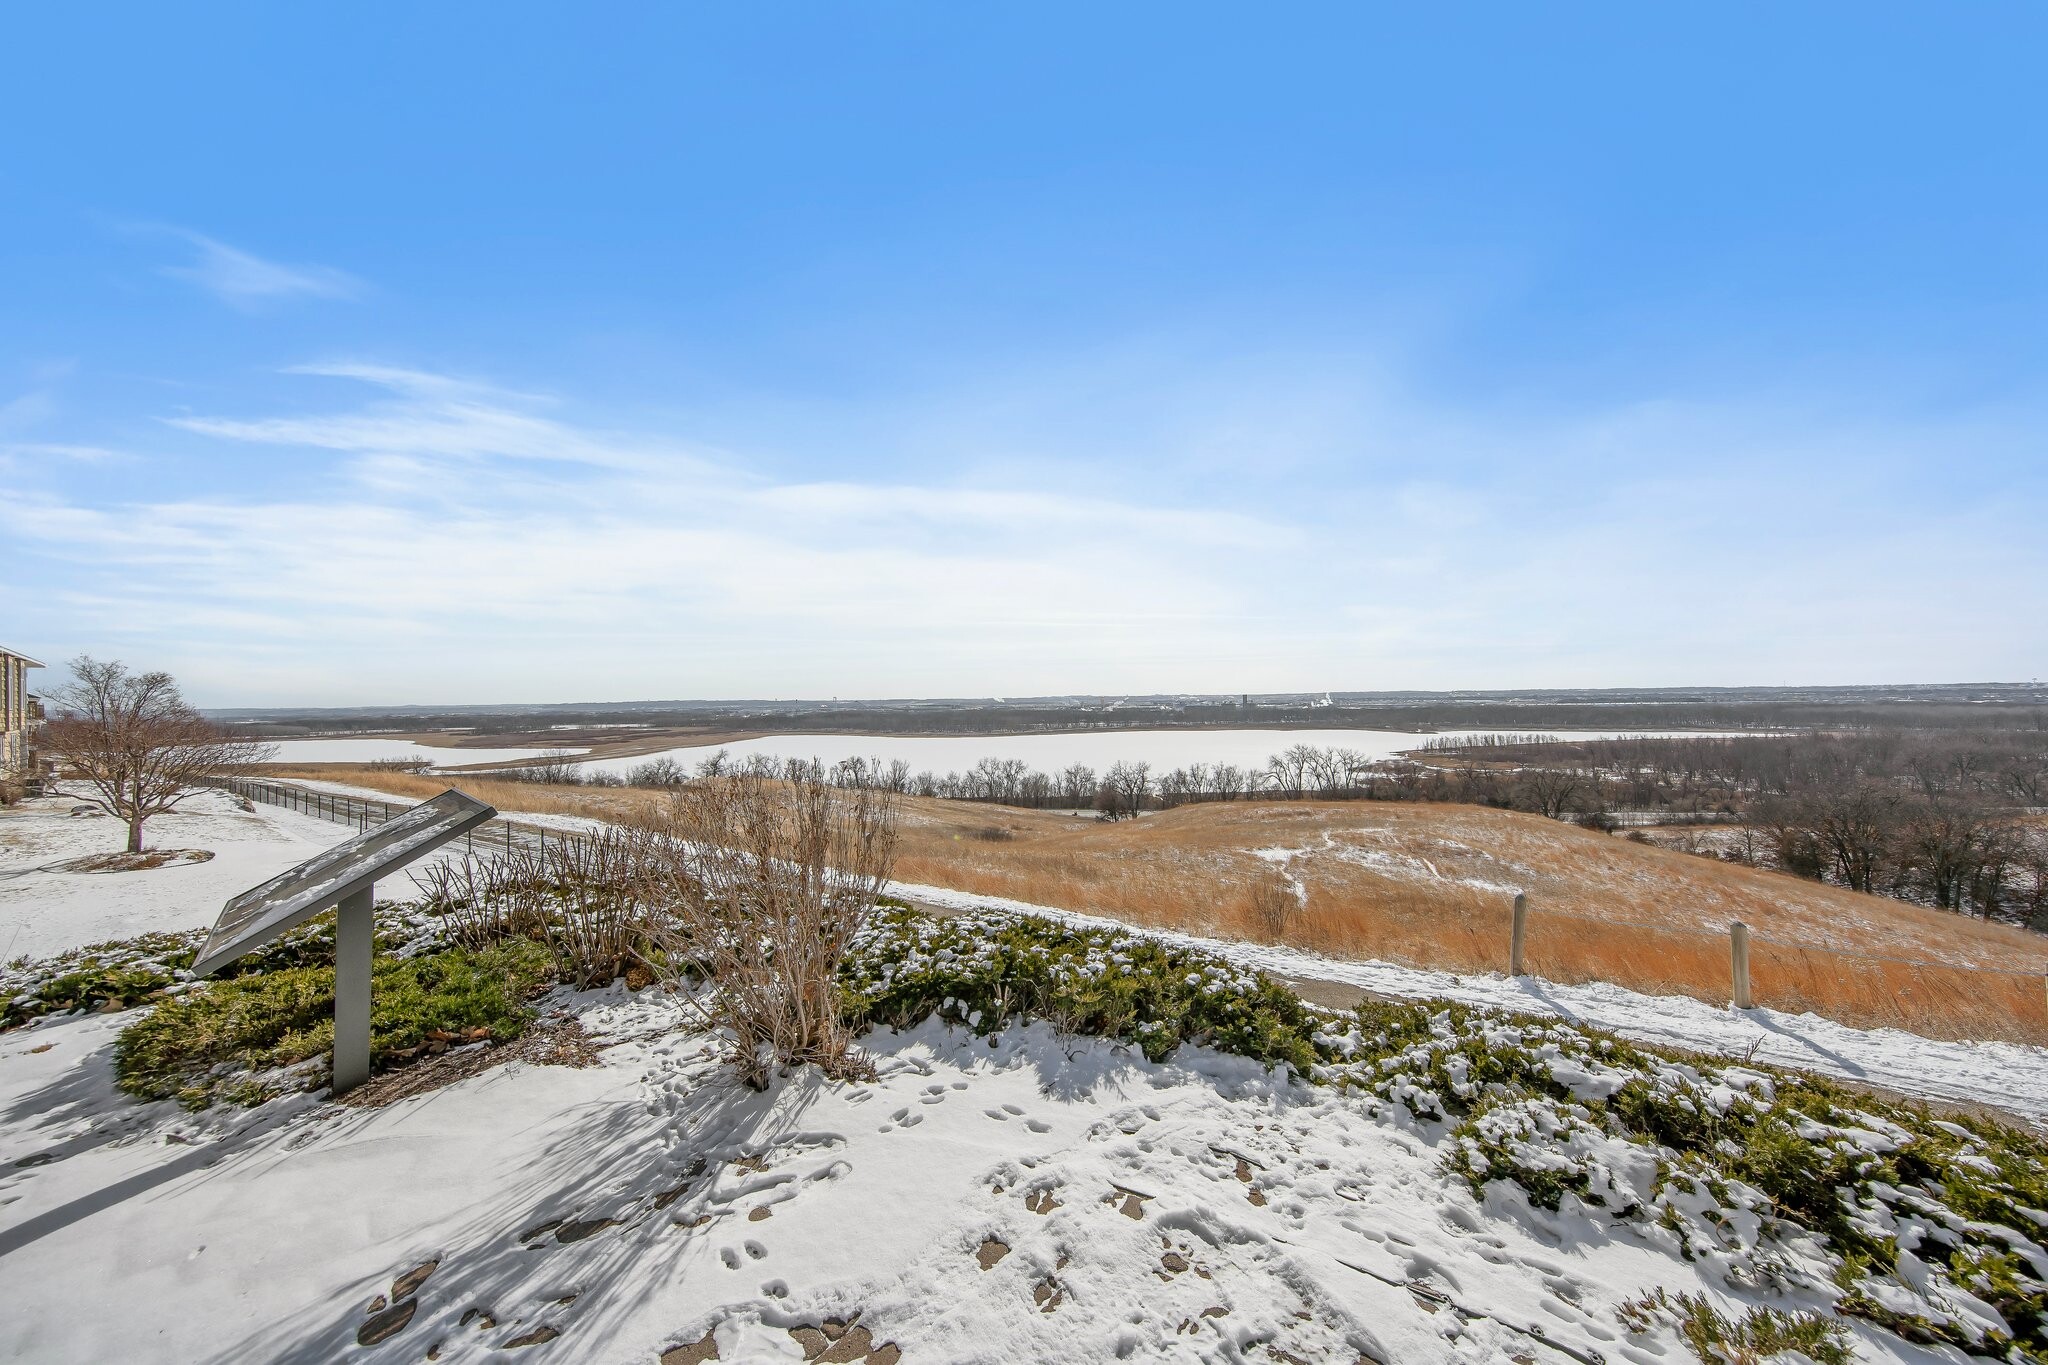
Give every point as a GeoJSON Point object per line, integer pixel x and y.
{"type": "Point", "coordinates": [1163, 749]}
{"type": "Point", "coordinates": [376, 749]}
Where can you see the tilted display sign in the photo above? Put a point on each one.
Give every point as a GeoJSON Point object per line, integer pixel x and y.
{"type": "Point", "coordinates": [343, 877]}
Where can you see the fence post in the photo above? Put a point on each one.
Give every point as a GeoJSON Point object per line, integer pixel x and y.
{"type": "Point", "coordinates": [1738, 943]}
{"type": "Point", "coordinates": [1515, 941]}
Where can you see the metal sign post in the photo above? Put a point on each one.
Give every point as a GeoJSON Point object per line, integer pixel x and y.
{"type": "Point", "coordinates": [355, 929]}
{"type": "Point", "coordinates": [344, 877]}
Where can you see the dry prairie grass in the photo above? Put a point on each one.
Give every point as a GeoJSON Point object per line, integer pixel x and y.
{"type": "Point", "coordinates": [1431, 886]}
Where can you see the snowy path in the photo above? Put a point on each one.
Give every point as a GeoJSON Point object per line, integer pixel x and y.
{"type": "Point", "coordinates": [2011, 1076]}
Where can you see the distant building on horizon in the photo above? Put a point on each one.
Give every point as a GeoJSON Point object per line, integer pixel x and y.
{"type": "Point", "coordinates": [20, 713]}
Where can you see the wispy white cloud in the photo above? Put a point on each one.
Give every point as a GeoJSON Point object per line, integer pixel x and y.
{"type": "Point", "coordinates": [525, 550]}
{"type": "Point", "coordinates": [432, 417]}
{"type": "Point", "coordinates": [245, 280]}
{"type": "Point", "coordinates": [453, 540]}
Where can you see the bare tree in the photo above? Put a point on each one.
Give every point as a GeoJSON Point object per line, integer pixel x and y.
{"type": "Point", "coordinates": [1551, 790]}
{"type": "Point", "coordinates": [1077, 786]}
{"type": "Point", "coordinates": [1857, 826]}
{"type": "Point", "coordinates": [1124, 790]}
{"type": "Point", "coordinates": [554, 768]}
{"type": "Point", "coordinates": [757, 885]}
{"type": "Point", "coordinates": [136, 743]}
{"type": "Point", "coordinates": [1227, 781]}
{"type": "Point", "coordinates": [663, 772]}
{"type": "Point", "coordinates": [1288, 770]}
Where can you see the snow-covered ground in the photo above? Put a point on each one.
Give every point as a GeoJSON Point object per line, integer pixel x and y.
{"type": "Point", "coordinates": [44, 911]}
{"type": "Point", "coordinates": [1023, 1199]}
{"type": "Point", "coordinates": [1027, 1199]}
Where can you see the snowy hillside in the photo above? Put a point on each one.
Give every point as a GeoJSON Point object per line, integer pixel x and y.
{"type": "Point", "coordinates": [1457, 1187]}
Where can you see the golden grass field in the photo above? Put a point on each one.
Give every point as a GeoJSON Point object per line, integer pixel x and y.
{"type": "Point", "coordinates": [1431, 885]}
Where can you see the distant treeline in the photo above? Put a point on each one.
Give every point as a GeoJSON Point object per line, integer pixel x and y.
{"type": "Point", "coordinates": [1967, 707]}
{"type": "Point", "coordinates": [1941, 818]}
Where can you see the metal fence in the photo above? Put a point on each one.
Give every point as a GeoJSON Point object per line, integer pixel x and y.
{"type": "Point", "coordinates": [497, 835]}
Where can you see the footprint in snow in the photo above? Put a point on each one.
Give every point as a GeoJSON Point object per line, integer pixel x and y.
{"type": "Point", "coordinates": [1041, 1201]}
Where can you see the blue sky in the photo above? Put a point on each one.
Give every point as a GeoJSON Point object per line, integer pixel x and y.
{"type": "Point", "coordinates": [501, 352]}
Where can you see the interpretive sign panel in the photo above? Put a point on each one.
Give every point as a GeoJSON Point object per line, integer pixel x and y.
{"type": "Point", "coordinates": [260, 914]}
{"type": "Point", "coordinates": [344, 877]}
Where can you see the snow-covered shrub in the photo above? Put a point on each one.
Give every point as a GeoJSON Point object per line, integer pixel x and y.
{"type": "Point", "coordinates": [583, 898]}
{"type": "Point", "coordinates": [1931, 1227]}
{"type": "Point", "coordinates": [137, 971]}
{"type": "Point", "coordinates": [246, 1038]}
{"type": "Point", "coordinates": [984, 970]}
{"type": "Point", "coordinates": [117, 974]}
{"type": "Point", "coordinates": [1760, 1334]}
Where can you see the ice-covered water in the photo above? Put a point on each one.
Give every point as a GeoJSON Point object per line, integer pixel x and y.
{"type": "Point", "coordinates": [1163, 749]}
{"type": "Point", "coordinates": [376, 749]}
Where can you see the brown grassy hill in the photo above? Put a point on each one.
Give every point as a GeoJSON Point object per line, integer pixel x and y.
{"type": "Point", "coordinates": [1431, 885]}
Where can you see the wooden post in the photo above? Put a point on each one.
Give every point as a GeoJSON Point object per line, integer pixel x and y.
{"type": "Point", "coordinates": [1738, 942]}
{"type": "Point", "coordinates": [1515, 939]}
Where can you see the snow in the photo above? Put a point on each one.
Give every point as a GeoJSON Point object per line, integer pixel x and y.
{"type": "Point", "coordinates": [1163, 749]}
{"type": "Point", "coordinates": [382, 749]}
{"type": "Point", "coordinates": [1198, 1209]}
{"type": "Point", "coordinates": [44, 911]}
{"type": "Point", "coordinates": [2012, 1076]}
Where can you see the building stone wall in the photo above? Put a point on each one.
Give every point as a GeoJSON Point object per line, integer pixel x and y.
{"type": "Point", "coordinates": [17, 716]}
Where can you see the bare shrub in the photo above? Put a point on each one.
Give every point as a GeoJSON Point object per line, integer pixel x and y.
{"type": "Point", "coordinates": [661, 773]}
{"type": "Point", "coordinates": [581, 897]}
{"type": "Point", "coordinates": [1274, 904]}
{"type": "Point", "coordinates": [592, 914]}
{"type": "Point", "coordinates": [760, 885]}
{"type": "Point", "coordinates": [477, 899]}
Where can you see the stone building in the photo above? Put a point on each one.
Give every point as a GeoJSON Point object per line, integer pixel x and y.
{"type": "Point", "coordinates": [20, 713]}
